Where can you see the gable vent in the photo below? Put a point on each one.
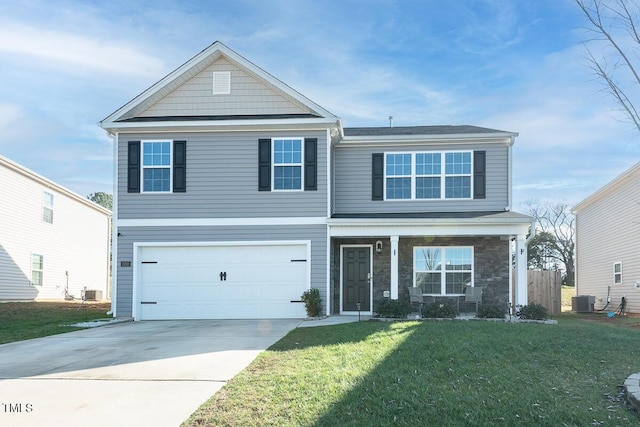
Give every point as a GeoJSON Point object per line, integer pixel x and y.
{"type": "Point", "coordinates": [221, 82]}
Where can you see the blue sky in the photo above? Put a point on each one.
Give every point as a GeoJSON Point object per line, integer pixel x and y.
{"type": "Point", "coordinates": [511, 65]}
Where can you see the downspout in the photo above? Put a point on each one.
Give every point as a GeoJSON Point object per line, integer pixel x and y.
{"type": "Point", "coordinates": [114, 229]}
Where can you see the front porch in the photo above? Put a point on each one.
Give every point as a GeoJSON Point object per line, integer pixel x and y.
{"type": "Point", "coordinates": [369, 263]}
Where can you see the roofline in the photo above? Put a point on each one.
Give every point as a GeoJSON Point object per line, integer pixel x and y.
{"type": "Point", "coordinates": [108, 121]}
{"type": "Point", "coordinates": [486, 137]}
{"type": "Point", "coordinates": [50, 184]}
{"type": "Point", "coordinates": [215, 125]}
{"type": "Point", "coordinates": [365, 222]}
{"type": "Point", "coordinates": [605, 189]}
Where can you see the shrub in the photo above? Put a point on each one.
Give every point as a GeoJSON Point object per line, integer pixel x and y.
{"type": "Point", "coordinates": [437, 310]}
{"type": "Point", "coordinates": [392, 308]}
{"type": "Point", "coordinates": [312, 302]}
{"type": "Point", "coordinates": [532, 312]}
{"type": "Point", "coordinates": [492, 311]}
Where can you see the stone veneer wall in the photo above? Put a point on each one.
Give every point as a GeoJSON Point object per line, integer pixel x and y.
{"type": "Point", "coordinates": [491, 265]}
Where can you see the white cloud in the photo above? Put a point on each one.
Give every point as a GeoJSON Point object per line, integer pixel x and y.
{"type": "Point", "coordinates": [73, 49]}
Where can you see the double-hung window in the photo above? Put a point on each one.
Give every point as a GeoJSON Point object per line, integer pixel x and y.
{"type": "Point", "coordinates": [47, 207]}
{"type": "Point", "coordinates": [428, 175]}
{"type": "Point", "coordinates": [287, 164]}
{"type": "Point", "coordinates": [156, 166]}
{"type": "Point", "coordinates": [443, 270]}
{"type": "Point", "coordinates": [617, 273]}
{"type": "Point", "coordinates": [37, 268]}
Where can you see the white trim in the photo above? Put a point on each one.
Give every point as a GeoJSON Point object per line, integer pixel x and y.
{"type": "Point", "coordinates": [219, 222]}
{"type": "Point", "coordinates": [394, 265]}
{"type": "Point", "coordinates": [450, 139]}
{"type": "Point", "coordinates": [607, 188]}
{"type": "Point", "coordinates": [218, 125]}
{"type": "Point", "coordinates": [442, 176]}
{"type": "Point", "coordinates": [300, 165]}
{"type": "Point", "coordinates": [617, 273]}
{"type": "Point", "coordinates": [329, 153]}
{"type": "Point", "coordinates": [138, 246]}
{"type": "Point", "coordinates": [328, 263]}
{"type": "Point", "coordinates": [143, 167]}
{"type": "Point", "coordinates": [114, 230]}
{"type": "Point", "coordinates": [370, 312]}
{"type": "Point", "coordinates": [429, 229]}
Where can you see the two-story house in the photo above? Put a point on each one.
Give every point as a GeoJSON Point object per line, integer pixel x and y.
{"type": "Point", "coordinates": [54, 243]}
{"type": "Point", "coordinates": [235, 194]}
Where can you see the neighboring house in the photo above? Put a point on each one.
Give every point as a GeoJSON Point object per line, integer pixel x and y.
{"type": "Point", "coordinates": [235, 194]}
{"type": "Point", "coordinates": [607, 248]}
{"type": "Point", "coordinates": [53, 242]}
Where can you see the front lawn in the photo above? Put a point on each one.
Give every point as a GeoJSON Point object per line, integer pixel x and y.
{"type": "Point", "coordinates": [435, 373]}
{"type": "Point", "coordinates": [26, 320]}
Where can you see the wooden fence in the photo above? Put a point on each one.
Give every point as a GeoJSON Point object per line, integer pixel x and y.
{"type": "Point", "coordinates": [544, 288]}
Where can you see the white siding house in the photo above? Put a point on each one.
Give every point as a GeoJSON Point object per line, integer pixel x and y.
{"type": "Point", "coordinates": [51, 239]}
{"type": "Point", "coordinates": [608, 243]}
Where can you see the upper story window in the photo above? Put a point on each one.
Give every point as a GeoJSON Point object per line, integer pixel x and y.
{"type": "Point", "coordinates": [617, 273]}
{"type": "Point", "coordinates": [287, 164]}
{"type": "Point", "coordinates": [156, 166]}
{"type": "Point", "coordinates": [422, 175]}
{"type": "Point", "coordinates": [47, 207]}
{"type": "Point", "coordinates": [443, 270]}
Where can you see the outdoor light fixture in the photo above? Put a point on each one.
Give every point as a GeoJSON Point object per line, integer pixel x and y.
{"type": "Point", "coordinates": [379, 246]}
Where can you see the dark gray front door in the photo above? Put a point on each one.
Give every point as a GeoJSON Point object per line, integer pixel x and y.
{"type": "Point", "coordinates": [356, 278]}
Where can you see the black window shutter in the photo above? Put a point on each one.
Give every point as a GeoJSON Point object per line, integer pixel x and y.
{"type": "Point", "coordinates": [377, 176]}
{"type": "Point", "coordinates": [310, 164]}
{"type": "Point", "coordinates": [479, 174]}
{"type": "Point", "coordinates": [264, 165]}
{"type": "Point", "coordinates": [179, 166]}
{"type": "Point", "coordinates": [133, 167]}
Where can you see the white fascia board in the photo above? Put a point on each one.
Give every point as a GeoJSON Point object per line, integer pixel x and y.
{"type": "Point", "coordinates": [487, 138]}
{"type": "Point", "coordinates": [607, 188]}
{"type": "Point", "coordinates": [220, 222]}
{"type": "Point", "coordinates": [405, 230]}
{"type": "Point", "coordinates": [215, 125]}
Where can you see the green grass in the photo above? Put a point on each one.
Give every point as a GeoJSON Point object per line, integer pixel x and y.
{"type": "Point", "coordinates": [436, 373]}
{"type": "Point", "coordinates": [26, 320]}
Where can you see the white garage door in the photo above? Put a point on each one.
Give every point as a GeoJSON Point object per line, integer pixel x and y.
{"type": "Point", "coordinates": [221, 282]}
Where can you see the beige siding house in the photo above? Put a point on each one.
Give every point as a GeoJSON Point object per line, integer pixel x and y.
{"type": "Point", "coordinates": [53, 242]}
{"type": "Point", "coordinates": [608, 243]}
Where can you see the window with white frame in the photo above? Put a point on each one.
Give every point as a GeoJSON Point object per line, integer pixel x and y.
{"type": "Point", "coordinates": [617, 273]}
{"type": "Point", "coordinates": [47, 207]}
{"type": "Point", "coordinates": [428, 175]}
{"type": "Point", "coordinates": [444, 270]}
{"type": "Point", "coordinates": [37, 268]}
{"type": "Point", "coordinates": [287, 163]}
{"type": "Point", "coordinates": [156, 166]}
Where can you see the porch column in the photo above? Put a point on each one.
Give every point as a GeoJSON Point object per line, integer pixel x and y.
{"type": "Point", "coordinates": [521, 295]}
{"type": "Point", "coordinates": [394, 266]}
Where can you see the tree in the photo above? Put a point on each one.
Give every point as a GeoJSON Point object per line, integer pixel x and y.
{"type": "Point", "coordinates": [556, 244]}
{"type": "Point", "coordinates": [538, 250]}
{"type": "Point", "coordinates": [616, 24]}
{"type": "Point", "coordinates": [103, 199]}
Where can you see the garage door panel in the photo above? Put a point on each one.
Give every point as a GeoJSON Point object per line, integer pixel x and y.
{"type": "Point", "coordinates": [261, 282]}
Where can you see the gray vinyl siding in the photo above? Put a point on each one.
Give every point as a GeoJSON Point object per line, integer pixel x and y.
{"type": "Point", "coordinates": [608, 231]}
{"type": "Point", "coordinates": [249, 95]}
{"type": "Point", "coordinates": [222, 180]}
{"type": "Point", "coordinates": [317, 234]}
{"type": "Point", "coordinates": [352, 178]}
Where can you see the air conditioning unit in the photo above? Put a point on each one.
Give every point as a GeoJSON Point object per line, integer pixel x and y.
{"type": "Point", "coordinates": [92, 295]}
{"type": "Point", "coordinates": [583, 303]}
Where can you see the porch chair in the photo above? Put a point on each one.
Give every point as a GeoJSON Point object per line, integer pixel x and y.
{"type": "Point", "coordinates": [473, 295]}
{"type": "Point", "coordinates": [415, 297]}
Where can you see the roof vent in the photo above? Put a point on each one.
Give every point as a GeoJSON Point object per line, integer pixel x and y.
{"type": "Point", "coordinates": [221, 82]}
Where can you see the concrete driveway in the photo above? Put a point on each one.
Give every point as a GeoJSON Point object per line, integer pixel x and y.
{"type": "Point", "coordinates": [136, 373]}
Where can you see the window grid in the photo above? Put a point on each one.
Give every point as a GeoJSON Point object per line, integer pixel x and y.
{"type": "Point", "coordinates": [287, 164]}
{"type": "Point", "coordinates": [156, 166]}
{"type": "Point", "coordinates": [47, 207]}
{"type": "Point", "coordinates": [37, 268]}
{"type": "Point", "coordinates": [421, 175]}
{"type": "Point", "coordinates": [617, 273]}
{"type": "Point", "coordinates": [443, 270]}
